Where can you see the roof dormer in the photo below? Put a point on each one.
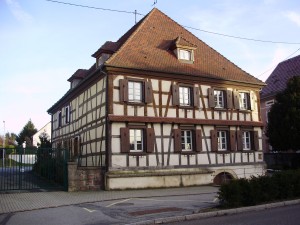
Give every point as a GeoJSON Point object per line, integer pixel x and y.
{"type": "Point", "coordinates": [184, 50]}
{"type": "Point", "coordinates": [105, 51]}
{"type": "Point", "coordinates": [77, 77]}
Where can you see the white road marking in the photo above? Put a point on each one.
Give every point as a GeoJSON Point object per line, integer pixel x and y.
{"type": "Point", "coordinates": [115, 203]}
{"type": "Point", "coordinates": [89, 210]}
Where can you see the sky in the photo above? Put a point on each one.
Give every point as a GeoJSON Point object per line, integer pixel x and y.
{"type": "Point", "coordinates": [42, 43]}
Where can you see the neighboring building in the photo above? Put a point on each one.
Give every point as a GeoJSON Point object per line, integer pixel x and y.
{"type": "Point", "coordinates": [36, 137]}
{"type": "Point", "coordinates": [160, 108]}
{"type": "Point", "coordinates": [276, 83]}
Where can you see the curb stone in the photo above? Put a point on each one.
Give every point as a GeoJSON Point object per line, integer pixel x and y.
{"type": "Point", "coordinates": [169, 219]}
{"type": "Point", "coordinates": [217, 213]}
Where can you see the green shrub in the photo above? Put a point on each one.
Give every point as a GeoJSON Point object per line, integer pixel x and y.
{"type": "Point", "coordinates": [242, 192]}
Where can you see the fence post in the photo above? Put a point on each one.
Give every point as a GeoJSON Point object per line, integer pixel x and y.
{"type": "Point", "coordinates": [65, 168]}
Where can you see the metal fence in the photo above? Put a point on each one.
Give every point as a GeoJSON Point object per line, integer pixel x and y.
{"type": "Point", "coordinates": [33, 168]}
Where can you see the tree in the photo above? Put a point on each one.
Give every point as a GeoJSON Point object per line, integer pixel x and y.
{"type": "Point", "coordinates": [10, 140]}
{"type": "Point", "coordinates": [283, 127]}
{"type": "Point", "coordinates": [26, 134]}
{"type": "Point", "coordinates": [45, 140]}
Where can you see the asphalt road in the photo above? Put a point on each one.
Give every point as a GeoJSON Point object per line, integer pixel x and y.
{"type": "Point", "coordinates": [288, 215]}
{"type": "Point", "coordinates": [123, 211]}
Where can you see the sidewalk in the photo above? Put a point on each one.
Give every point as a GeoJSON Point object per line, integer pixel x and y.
{"type": "Point", "coordinates": [25, 201]}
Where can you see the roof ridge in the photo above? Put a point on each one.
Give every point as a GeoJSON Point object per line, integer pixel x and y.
{"type": "Point", "coordinates": [139, 24]}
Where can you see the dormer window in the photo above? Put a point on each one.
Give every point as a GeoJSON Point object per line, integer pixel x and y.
{"type": "Point", "coordinates": [102, 58]}
{"type": "Point", "coordinates": [185, 54]}
{"type": "Point", "coordinates": [184, 50]}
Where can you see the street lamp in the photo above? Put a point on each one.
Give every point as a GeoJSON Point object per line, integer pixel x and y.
{"type": "Point", "coordinates": [4, 134]}
{"type": "Point", "coordinates": [3, 145]}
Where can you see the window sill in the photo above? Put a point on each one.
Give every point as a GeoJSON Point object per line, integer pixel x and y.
{"type": "Point", "coordinates": [186, 61]}
{"type": "Point", "coordinates": [186, 107]}
{"type": "Point", "coordinates": [137, 153]}
{"type": "Point", "coordinates": [188, 153]}
{"type": "Point", "coordinates": [245, 110]}
{"type": "Point", "coordinates": [220, 109]}
{"type": "Point", "coordinates": [136, 103]}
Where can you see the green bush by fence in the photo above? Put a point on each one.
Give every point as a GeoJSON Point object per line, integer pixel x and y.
{"type": "Point", "coordinates": [242, 192]}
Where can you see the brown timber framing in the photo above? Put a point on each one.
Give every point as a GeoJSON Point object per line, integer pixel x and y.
{"type": "Point", "coordinates": [113, 118]}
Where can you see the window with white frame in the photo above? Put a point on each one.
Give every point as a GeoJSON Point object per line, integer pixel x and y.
{"type": "Point", "coordinates": [222, 141]}
{"type": "Point", "coordinates": [244, 100]}
{"type": "Point", "coordinates": [186, 140]}
{"type": "Point", "coordinates": [135, 90]}
{"type": "Point", "coordinates": [136, 140]}
{"type": "Point", "coordinates": [219, 99]}
{"type": "Point", "coordinates": [185, 96]}
{"type": "Point", "coordinates": [185, 54]}
{"type": "Point", "coordinates": [246, 140]}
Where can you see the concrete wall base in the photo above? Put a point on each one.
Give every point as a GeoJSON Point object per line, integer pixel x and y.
{"type": "Point", "coordinates": [164, 178]}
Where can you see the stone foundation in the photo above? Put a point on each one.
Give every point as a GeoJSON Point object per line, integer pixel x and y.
{"type": "Point", "coordinates": [84, 178]}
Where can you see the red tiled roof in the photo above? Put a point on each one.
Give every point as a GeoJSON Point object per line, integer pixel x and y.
{"type": "Point", "coordinates": [146, 46]}
{"type": "Point", "coordinates": [278, 79]}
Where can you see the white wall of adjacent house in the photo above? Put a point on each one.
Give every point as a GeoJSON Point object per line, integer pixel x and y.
{"type": "Point", "coordinates": [45, 129]}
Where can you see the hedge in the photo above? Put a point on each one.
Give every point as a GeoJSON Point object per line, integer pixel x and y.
{"type": "Point", "coordinates": [263, 189]}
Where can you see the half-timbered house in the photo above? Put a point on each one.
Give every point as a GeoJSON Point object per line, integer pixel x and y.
{"type": "Point", "coordinates": [160, 108]}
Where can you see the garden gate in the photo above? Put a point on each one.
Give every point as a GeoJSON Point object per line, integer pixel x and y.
{"type": "Point", "coordinates": [33, 169]}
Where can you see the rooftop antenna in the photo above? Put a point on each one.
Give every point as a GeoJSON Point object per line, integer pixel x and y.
{"type": "Point", "coordinates": [135, 16]}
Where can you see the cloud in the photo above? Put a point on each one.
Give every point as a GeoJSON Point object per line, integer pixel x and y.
{"type": "Point", "coordinates": [294, 17]}
{"type": "Point", "coordinates": [19, 13]}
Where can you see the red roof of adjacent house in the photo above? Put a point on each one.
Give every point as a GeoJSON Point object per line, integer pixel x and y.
{"type": "Point", "coordinates": [148, 46]}
{"type": "Point", "coordinates": [278, 79]}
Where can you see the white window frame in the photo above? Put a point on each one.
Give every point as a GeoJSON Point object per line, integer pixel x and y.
{"type": "Point", "coordinates": [244, 98]}
{"type": "Point", "coordinates": [246, 140]}
{"type": "Point", "coordinates": [185, 54]}
{"type": "Point", "coordinates": [187, 140]}
{"type": "Point", "coordinates": [185, 96]}
{"type": "Point", "coordinates": [135, 91]}
{"type": "Point", "coordinates": [219, 99]}
{"type": "Point", "coordinates": [222, 140]}
{"type": "Point", "coordinates": [136, 139]}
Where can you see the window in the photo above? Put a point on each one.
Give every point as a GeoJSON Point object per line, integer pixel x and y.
{"type": "Point", "coordinates": [186, 140]}
{"type": "Point", "coordinates": [137, 140]}
{"type": "Point", "coordinates": [185, 96]}
{"type": "Point", "coordinates": [59, 119]}
{"type": "Point", "coordinates": [246, 140]}
{"type": "Point", "coordinates": [134, 91]}
{"type": "Point", "coordinates": [222, 140]}
{"type": "Point", "coordinates": [244, 100]}
{"type": "Point", "coordinates": [185, 54]}
{"type": "Point", "coordinates": [67, 114]}
{"type": "Point", "coordinates": [219, 99]}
